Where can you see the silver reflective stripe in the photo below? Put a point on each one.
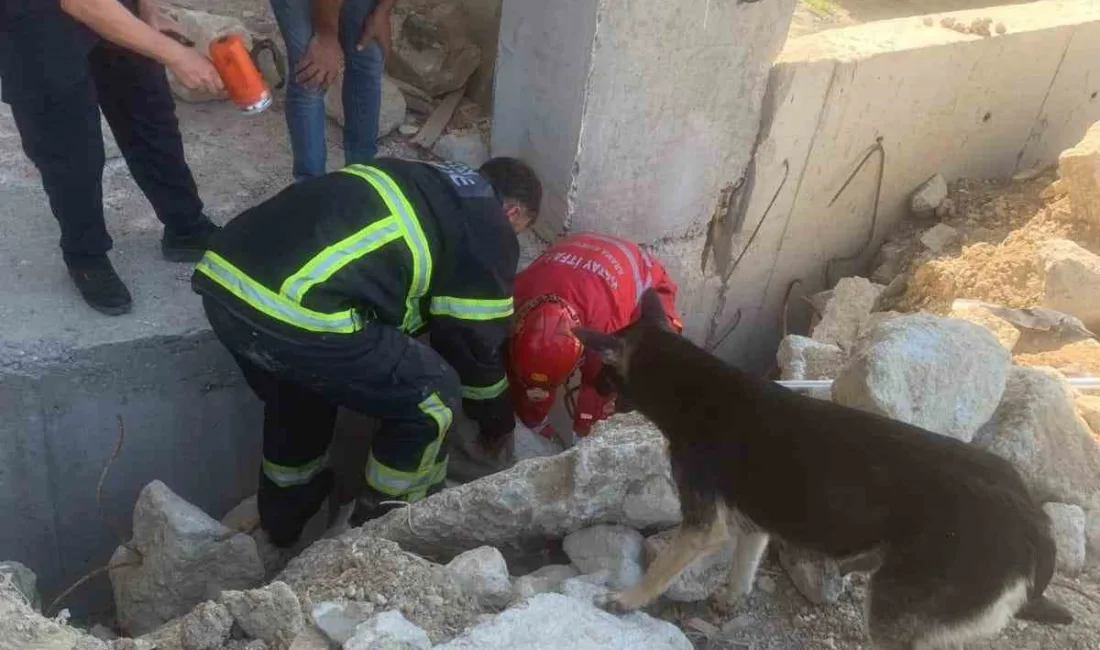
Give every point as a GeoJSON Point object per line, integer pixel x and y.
{"type": "Point", "coordinates": [271, 303]}
{"type": "Point", "coordinates": [438, 411]}
{"type": "Point", "coordinates": [640, 284]}
{"type": "Point", "coordinates": [285, 476]}
{"type": "Point", "coordinates": [337, 256]}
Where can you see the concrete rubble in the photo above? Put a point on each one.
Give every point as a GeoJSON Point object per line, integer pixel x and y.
{"type": "Point", "coordinates": [271, 614]}
{"type": "Point", "coordinates": [939, 238]}
{"type": "Point", "coordinates": [615, 549]}
{"type": "Point", "coordinates": [1037, 429]}
{"type": "Point", "coordinates": [22, 580]}
{"type": "Point", "coordinates": [469, 146]}
{"type": "Point", "coordinates": [540, 581]}
{"type": "Point", "coordinates": [800, 357]}
{"type": "Point", "coordinates": [432, 49]}
{"type": "Point", "coordinates": [1069, 268]}
{"type": "Point", "coordinates": [388, 631]}
{"type": "Point", "coordinates": [847, 312]}
{"type": "Point", "coordinates": [207, 627]}
{"type": "Point", "coordinates": [1068, 527]}
{"type": "Point", "coordinates": [338, 619]}
{"type": "Point", "coordinates": [929, 196]}
{"type": "Point", "coordinates": [1079, 170]}
{"type": "Point", "coordinates": [483, 574]}
{"type": "Point", "coordinates": [941, 374]}
{"type": "Point", "coordinates": [184, 554]}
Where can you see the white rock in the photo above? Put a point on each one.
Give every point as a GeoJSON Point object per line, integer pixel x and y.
{"type": "Point", "coordinates": [928, 196]}
{"type": "Point", "coordinates": [974, 312]}
{"type": "Point", "coordinates": [21, 627]}
{"type": "Point", "coordinates": [393, 110]}
{"type": "Point", "coordinates": [944, 375]}
{"type": "Point", "coordinates": [483, 574]}
{"type": "Point", "coordinates": [185, 556]}
{"type": "Point", "coordinates": [1077, 167]}
{"type": "Point", "coordinates": [1072, 280]}
{"type": "Point", "coordinates": [23, 580]}
{"type": "Point", "coordinates": [338, 619]}
{"type": "Point", "coordinates": [939, 238]}
{"type": "Point", "coordinates": [1037, 429]}
{"type": "Point", "coordinates": [615, 549]}
{"type": "Point", "coordinates": [553, 622]}
{"type": "Point", "coordinates": [311, 638]}
{"type": "Point", "coordinates": [271, 614]}
{"type": "Point", "coordinates": [206, 627]}
{"type": "Point", "coordinates": [203, 28]}
{"type": "Point", "coordinates": [536, 499]}
{"type": "Point", "coordinates": [847, 312]}
{"type": "Point", "coordinates": [546, 579]}
{"type": "Point", "coordinates": [386, 631]}
{"type": "Point", "coordinates": [1067, 524]}
{"type": "Point", "coordinates": [408, 129]}
{"type": "Point", "coordinates": [800, 357]}
{"type": "Point", "coordinates": [816, 576]}
{"type": "Point", "coordinates": [700, 579]}
{"type": "Point", "coordinates": [653, 504]}
{"type": "Point", "coordinates": [586, 588]}
{"type": "Point", "coordinates": [1092, 532]}
{"type": "Point", "coordinates": [465, 146]}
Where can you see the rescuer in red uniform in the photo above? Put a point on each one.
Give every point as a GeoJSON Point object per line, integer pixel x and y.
{"type": "Point", "coordinates": [590, 280]}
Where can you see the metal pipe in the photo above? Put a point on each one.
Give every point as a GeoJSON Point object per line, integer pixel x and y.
{"type": "Point", "coordinates": [1080, 383]}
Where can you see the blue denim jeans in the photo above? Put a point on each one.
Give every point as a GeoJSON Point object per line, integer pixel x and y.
{"type": "Point", "coordinates": [305, 106]}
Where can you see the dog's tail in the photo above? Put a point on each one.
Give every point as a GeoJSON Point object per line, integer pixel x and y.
{"type": "Point", "coordinates": [1039, 608]}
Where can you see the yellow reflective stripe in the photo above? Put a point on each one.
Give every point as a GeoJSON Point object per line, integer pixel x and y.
{"type": "Point", "coordinates": [274, 305]}
{"type": "Point", "coordinates": [438, 411]}
{"type": "Point", "coordinates": [485, 392]}
{"type": "Point", "coordinates": [471, 308]}
{"type": "Point", "coordinates": [285, 476]}
{"type": "Point", "coordinates": [400, 207]}
{"type": "Point", "coordinates": [335, 257]}
{"type": "Point", "coordinates": [410, 486]}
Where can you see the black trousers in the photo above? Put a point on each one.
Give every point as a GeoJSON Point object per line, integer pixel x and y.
{"type": "Point", "coordinates": [302, 379]}
{"type": "Point", "coordinates": [61, 135]}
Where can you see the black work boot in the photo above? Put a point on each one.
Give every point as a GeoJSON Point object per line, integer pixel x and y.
{"type": "Point", "coordinates": [98, 283]}
{"type": "Point", "coordinates": [188, 245]}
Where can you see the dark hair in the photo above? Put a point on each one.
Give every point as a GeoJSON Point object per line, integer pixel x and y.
{"type": "Point", "coordinates": [514, 179]}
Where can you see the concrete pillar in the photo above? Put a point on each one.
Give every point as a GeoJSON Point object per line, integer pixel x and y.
{"type": "Point", "coordinates": [641, 118]}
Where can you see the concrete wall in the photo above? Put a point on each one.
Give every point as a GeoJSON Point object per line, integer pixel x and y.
{"type": "Point", "coordinates": [961, 105]}
{"type": "Point", "coordinates": [189, 421]}
{"type": "Point", "coordinates": [618, 107]}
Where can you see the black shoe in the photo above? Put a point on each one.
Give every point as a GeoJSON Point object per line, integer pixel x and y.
{"type": "Point", "coordinates": [189, 245]}
{"type": "Point", "coordinates": [100, 286]}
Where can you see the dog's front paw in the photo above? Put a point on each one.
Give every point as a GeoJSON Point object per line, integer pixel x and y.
{"type": "Point", "coordinates": [619, 602]}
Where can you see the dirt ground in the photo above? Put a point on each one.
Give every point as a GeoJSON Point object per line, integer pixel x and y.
{"type": "Point", "coordinates": [777, 617]}
{"type": "Point", "coordinates": [818, 15]}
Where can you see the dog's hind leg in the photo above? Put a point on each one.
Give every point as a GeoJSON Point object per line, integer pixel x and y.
{"type": "Point", "coordinates": [751, 544]}
{"type": "Point", "coordinates": [689, 544]}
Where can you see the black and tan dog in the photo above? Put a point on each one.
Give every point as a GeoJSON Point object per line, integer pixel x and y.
{"type": "Point", "coordinates": [959, 544]}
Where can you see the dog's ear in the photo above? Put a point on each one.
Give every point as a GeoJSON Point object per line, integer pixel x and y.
{"type": "Point", "coordinates": [652, 311]}
{"type": "Point", "coordinates": [612, 349]}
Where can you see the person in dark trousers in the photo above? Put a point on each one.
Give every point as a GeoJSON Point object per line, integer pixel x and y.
{"type": "Point", "coordinates": [61, 62]}
{"type": "Point", "coordinates": [321, 293]}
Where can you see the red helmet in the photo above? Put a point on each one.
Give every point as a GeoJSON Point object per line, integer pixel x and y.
{"type": "Point", "coordinates": [544, 352]}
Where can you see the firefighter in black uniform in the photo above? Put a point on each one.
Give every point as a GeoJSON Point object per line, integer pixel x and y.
{"type": "Point", "coordinates": [61, 61]}
{"type": "Point", "coordinates": [321, 292]}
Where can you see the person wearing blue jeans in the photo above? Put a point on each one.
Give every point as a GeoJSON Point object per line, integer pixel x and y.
{"type": "Point", "coordinates": [321, 35]}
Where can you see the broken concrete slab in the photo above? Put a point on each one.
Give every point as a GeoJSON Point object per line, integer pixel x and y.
{"type": "Point", "coordinates": [544, 580]}
{"type": "Point", "coordinates": [271, 614]}
{"type": "Point", "coordinates": [389, 631]}
{"type": "Point", "coordinates": [929, 196]}
{"type": "Point", "coordinates": [553, 621]}
{"type": "Point", "coordinates": [537, 499]}
{"type": "Point", "coordinates": [700, 579]}
{"type": "Point", "coordinates": [1079, 169]}
{"type": "Point", "coordinates": [1036, 428]}
{"type": "Point", "coordinates": [615, 549]}
{"type": "Point", "coordinates": [1069, 268]}
{"type": "Point", "coordinates": [184, 554]}
{"type": "Point", "coordinates": [847, 311]}
{"type": "Point", "coordinates": [1068, 527]}
{"type": "Point", "coordinates": [368, 569]}
{"type": "Point", "coordinates": [432, 49]}
{"type": "Point", "coordinates": [941, 374]}
{"type": "Point", "coordinates": [483, 574]}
